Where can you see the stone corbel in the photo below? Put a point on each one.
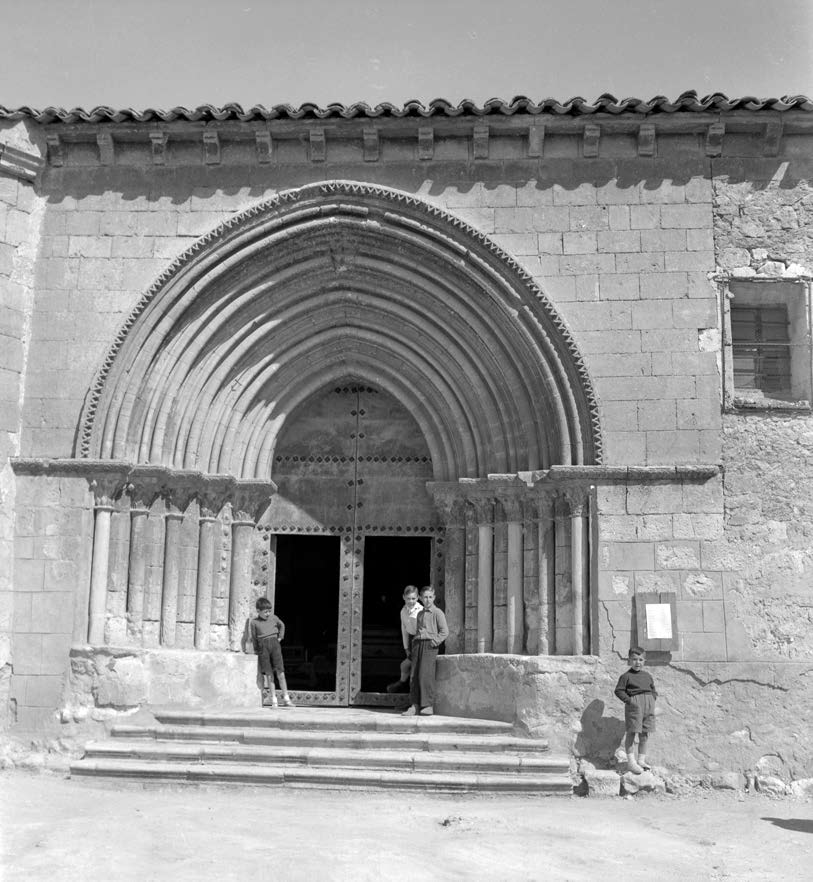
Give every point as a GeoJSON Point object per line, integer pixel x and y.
{"type": "Point", "coordinates": [318, 150]}
{"type": "Point", "coordinates": [480, 141]}
{"type": "Point", "coordinates": [263, 143]}
{"type": "Point", "coordinates": [371, 144]}
{"type": "Point", "coordinates": [647, 140]}
{"type": "Point", "coordinates": [590, 141]}
{"type": "Point", "coordinates": [536, 140]}
{"type": "Point", "coordinates": [55, 155]}
{"type": "Point", "coordinates": [773, 138]}
{"type": "Point", "coordinates": [426, 142]}
{"type": "Point", "coordinates": [158, 142]}
{"type": "Point", "coordinates": [714, 139]}
{"type": "Point", "coordinates": [104, 140]}
{"type": "Point", "coordinates": [211, 148]}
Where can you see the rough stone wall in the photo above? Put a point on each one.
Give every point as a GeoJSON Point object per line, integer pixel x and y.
{"type": "Point", "coordinates": [21, 213]}
{"type": "Point", "coordinates": [763, 214]}
{"type": "Point", "coordinates": [709, 717]}
{"type": "Point", "coordinates": [768, 485]}
{"type": "Point", "coordinates": [764, 229]}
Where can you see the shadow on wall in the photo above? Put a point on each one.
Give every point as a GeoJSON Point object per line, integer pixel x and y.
{"type": "Point", "coordinates": [600, 735]}
{"type": "Point", "coordinates": [165, 186]}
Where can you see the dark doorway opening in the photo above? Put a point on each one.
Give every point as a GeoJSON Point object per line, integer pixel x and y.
{"type": "Point", "coordinates": [390, 564]}
{"type": "Point", "coordinates": [307, 600]}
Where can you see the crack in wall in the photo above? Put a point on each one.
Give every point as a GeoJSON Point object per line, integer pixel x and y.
{"type": "Point", "coordinates": [603, 605]}
{"type": "Point", "coordinates": [719, 682]}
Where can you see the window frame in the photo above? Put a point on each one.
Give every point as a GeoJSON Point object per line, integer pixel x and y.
{"type": "Point", "coordinates": [795, 296]}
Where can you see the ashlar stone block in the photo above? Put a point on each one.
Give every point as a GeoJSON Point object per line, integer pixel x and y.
{"type": "Point", "coordinates": [703, 647]}
{"type": "Point", "coordinates": [678, 555]}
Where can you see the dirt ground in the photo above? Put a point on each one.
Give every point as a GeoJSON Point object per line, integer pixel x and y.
{"type": "Point", "coordinates": [59, 829]}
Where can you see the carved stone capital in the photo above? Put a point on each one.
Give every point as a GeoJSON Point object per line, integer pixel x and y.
{"type": "Point", "coordinates": [144, 486]}
{"type": "Point", "coordinates": [576, 498]}
{"type": "Point", "coordinates": [212, 494]}
{"type": "Point", "coordinates": [107, 485]}
{"type": "Point", "coordinates": [451, 509]}
{"type": "Point", "coordinates": [483, 509]}
{"type": "Point", "coordinates": [540, 504]}
{"type": "Point", "coordinates": [179, 489]}
{"type": "Point", "coordinates": [511, 507]}
{"type": "Point", "coordinates": [250, 499]}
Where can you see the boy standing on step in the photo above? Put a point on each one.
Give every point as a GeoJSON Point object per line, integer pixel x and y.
{"type": "Point", "coordinates": [409, 625]}
{"type": "Point", "coordinates": [431, 631]}
{"type": "Point", "coordinates": [636, 689]}
{"type": "Point", "coordinates": [267, 631]}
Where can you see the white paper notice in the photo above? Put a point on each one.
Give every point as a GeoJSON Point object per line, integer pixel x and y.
{"type": "Point", "coordinates": [658, 621]}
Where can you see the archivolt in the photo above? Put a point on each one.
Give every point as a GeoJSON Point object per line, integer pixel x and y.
{"type": "Point", "coordinates": [333, 281]}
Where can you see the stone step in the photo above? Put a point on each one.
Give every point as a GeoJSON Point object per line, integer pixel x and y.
{"type": "Point", "coordinates": [345, 758]}
{"type": "Point", "coordinates": [322, 777]}
{"type": "Point", "coordinates": [411, 740]}
{"type": "Point", "coordinates": [333, 719]}
{"type": "Point", "coordinates": [327, 747]}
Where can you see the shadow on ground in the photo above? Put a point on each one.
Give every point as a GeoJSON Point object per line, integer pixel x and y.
{"type": "Point", "coordinates": [798, 825]}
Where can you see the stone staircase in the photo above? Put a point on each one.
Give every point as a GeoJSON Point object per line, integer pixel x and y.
{"type": "Point", "coordinates": [328, 748]}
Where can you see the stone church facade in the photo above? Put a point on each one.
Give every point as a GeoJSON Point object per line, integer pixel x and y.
{"type": "Point", "coordinates": [554, 359]}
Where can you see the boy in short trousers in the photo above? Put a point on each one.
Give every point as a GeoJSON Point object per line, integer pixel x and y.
{"type": "Point", "coordinates": [267, 632]}
{"type": "Point", "coordinates": [636, 689]}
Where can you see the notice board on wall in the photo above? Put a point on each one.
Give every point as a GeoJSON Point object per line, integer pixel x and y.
{"type": "Point", "coordinates": [656, 618]}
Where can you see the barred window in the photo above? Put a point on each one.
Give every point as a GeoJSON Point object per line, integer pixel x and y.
{"type": "Point", "coordinates": [768, 344]}
{"type": "Point", "coordinates": [761, 350]}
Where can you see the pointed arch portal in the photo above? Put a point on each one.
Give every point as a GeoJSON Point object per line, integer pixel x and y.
{"type": "Point", "coordinates": [332, 281]}
{"type": "Point", "coordinates": [313, 366]}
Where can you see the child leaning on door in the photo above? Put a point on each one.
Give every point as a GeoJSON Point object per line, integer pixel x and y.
{"type": "Point", "coordinates": [267, 632]}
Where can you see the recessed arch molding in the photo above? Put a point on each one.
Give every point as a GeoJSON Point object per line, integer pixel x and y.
{"type": "Point", "coordinates": [343, 280]}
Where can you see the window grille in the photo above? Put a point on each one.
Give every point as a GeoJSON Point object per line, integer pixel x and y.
{"type": "Point", "coordinates": [761, 350]}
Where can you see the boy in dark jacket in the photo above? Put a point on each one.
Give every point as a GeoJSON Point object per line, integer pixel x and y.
{"type": "Point", "coordinates": [267, 631]}
{"type": "Point", "coordinates": [431, 630]}
{"type": "Point", "coordinates": [636, 689]}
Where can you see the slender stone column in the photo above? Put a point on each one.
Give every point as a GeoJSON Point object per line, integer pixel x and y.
{"type": "Point", "coordinates": [271, 583]}
{"type": "Point", "coordinates": [106, 488]}
{"type": "Point", "coordinates": [142, 494]}
{"type": "Point", "coordinates": [210, 501]}
{"type": "Point", "coordinates": [98, 573]}
{"type": "Point", "coordinates": [485, 574]}
{"type": "Point", "coordinates": [514, 605]}
{"type": "Point", "coordinates": [546, 557]}
{"type": "Point", "coordinates": [577, 501]}
{"type": "Point", "coordinates": [451, 510]}
{"type": "Point", "coordinates": [470, 533]}
{"type": "Point", "coordinates": [173, 516]}
{"type": "Point", "coordinates": [250, 499]}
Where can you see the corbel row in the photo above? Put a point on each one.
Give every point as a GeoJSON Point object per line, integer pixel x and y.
{"type": "Point", "coordinates": [317, 138]}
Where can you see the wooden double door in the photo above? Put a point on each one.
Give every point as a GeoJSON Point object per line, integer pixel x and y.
{"type": "Point", "coordinates": [351, 526]}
